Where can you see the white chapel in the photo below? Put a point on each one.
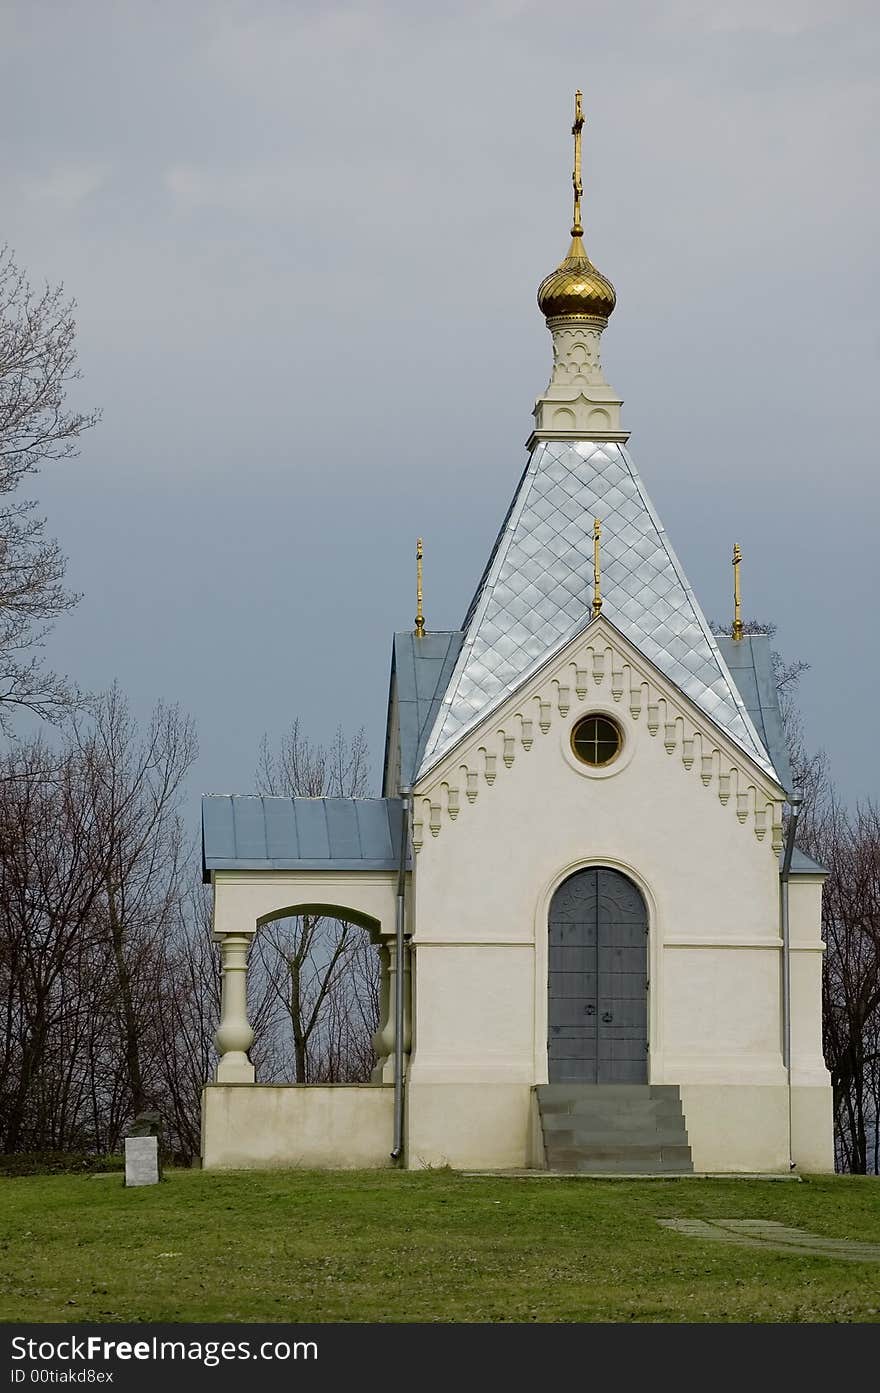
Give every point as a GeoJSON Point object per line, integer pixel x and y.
{"type": "Point", "coordinates": [600, 946]}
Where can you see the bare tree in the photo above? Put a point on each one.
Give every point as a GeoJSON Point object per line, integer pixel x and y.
{"type": "Point", "coordinates": [317, 974]}
{"type": "Point", "coordinates": [303, 769]}
{"type": "Point", "coordinates": [134, 784]}
{"type": "Point", "coordinates": [187, 1013]}
{"type": "Point", "coordinates": [107, 977]}
{"type": "Point", "coordinates": [847, 843]}
{"type": "Point", "coordinates": [50, 881]}
{"type": "Point", "coordinates": [37, 367]}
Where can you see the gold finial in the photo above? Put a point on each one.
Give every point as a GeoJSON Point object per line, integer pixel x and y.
{"type": "Point", "coordinates": [420, 618]}
{"type": "Point", "coordinates": [737, 600]}
{"type": "Point", "coordinates": [577, 228]}
{"type": "Point", "coordinates": [597, 587]}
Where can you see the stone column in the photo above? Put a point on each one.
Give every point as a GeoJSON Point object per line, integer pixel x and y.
{"type": "Point", "coordinates": [234, 1036]}
{"type": "Point", "coordinates": [383, 1040]}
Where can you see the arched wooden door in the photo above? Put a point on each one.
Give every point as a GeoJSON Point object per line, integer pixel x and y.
{"type": "Point", "coordinates": [598, 980]}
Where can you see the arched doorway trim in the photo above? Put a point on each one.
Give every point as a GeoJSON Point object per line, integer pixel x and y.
{"type": "Point", "coordinates": [655, 960]}
{"type": "Point", "coordinates": [598, 980]}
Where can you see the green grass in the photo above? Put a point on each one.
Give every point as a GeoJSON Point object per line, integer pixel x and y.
{"type": "Point", "coordinates": [427, 1246]}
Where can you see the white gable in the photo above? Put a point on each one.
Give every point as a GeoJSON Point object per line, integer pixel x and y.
{"type": "Point", "coordinates": [537, 591]}
{"type": "Point", "coordinates": [598, 670]}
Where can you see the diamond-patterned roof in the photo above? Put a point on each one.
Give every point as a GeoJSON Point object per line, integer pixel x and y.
{"type": "Point", "coordinates": [537, 590]}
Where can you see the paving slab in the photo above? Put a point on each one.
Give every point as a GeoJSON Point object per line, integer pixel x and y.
{"type": "Point", "coordinates": [772, 1235]}
{"type": "Point", "coordinates": [524, 1174]}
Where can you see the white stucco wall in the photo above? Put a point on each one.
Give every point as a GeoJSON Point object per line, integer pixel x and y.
{"type": "Point", "coordinates": [483, 885]}
{"type": "Point", "coordinates": [313, 1126]}
{"type": "Point", "coordinates": [497, 827]}
{"type": "Point", "coordinates": [244, 898]}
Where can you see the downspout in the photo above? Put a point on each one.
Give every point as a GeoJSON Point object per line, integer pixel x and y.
{"type": "Point", "coordinates": [400, 925]}
{"type": "Point", "coordinates": [795, 801]}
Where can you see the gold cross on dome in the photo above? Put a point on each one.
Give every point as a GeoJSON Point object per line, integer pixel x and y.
{"type": "Point", "coordinates": [577, 228]}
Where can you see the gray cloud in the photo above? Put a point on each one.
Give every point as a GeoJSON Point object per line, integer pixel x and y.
{"type": "Point", "coordinates": [305, 241]}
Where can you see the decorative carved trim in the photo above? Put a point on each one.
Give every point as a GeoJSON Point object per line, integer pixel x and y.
{"type": "Point", "coordinates": [578, 400]}
{"type": "Point", "coordinates": [680, 732]}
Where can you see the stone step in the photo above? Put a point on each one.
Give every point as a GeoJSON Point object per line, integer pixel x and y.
{"type": "Point", "coordinates": [586, 1115]}
{"type": "Point", "coordinates": [605, 1100]}
{"type": "Point", "coordinates": [587, 1141]}
{"type": "Point", "coordinates": [575, 1092]}
{"type": "Point", "coordinates": [555, 1091]}
{"type": "Point", "coordinates": [613, 1151]}
{"type": "Point", "coordinates": [575, 1162]}
{"type": "Point", "coordinates": [622, 1128]}
{"type": "Point", "coordinates": [608, 1108]}
{"type": "Point", "coordinates": [661, 1167]}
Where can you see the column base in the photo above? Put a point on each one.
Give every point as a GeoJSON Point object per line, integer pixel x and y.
{"type": "Point", "coordinates": [235, 1067]}
{"type": "Point", "coordinates": [384, 1070]}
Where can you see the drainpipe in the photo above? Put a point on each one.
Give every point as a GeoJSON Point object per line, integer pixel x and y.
{"type": "Point", "coordinates": [795, 800]}
{"type": "Point", "coordinates": [400, 925]}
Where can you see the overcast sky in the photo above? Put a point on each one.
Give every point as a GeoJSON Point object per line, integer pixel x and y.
{"type": "Point", "coordinates": [305, 241]}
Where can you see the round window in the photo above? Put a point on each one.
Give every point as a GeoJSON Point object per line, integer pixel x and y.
{"type": "Point", "coordinates": [596, 740]}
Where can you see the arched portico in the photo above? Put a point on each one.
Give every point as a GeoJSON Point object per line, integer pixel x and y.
{"type": "Point", "coordinates": [245, 901]}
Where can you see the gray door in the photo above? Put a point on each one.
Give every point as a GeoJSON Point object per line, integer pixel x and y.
{"type": "Point", "coordinates": [598, 1008]}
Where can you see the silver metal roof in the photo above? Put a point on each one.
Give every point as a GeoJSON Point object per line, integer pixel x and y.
{"type": "Point", "coordinates": [750, 663]}
{"type": "Point", "coordinates": [244, 832]}
{"type": "Point", "coordinates": [420, 671]}
{"type": "Point", "coordinates": [537, 591]}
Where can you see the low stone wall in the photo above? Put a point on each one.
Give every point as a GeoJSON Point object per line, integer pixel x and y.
{"type": "Point", "coordinates": [311, 1126]}
{"type": "Point", "coordinates": [742, 1127]}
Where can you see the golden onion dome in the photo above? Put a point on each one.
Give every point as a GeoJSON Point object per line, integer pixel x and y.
{"type": "Point", "coordinates": [576, 288]}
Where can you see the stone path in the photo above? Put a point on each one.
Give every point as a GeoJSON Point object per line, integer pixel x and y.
{"type": "Point", "coordinates": [779, 1238]}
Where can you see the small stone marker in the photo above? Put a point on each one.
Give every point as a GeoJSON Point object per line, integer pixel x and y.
{"type": "Point", "coordinates": [142, 1150]}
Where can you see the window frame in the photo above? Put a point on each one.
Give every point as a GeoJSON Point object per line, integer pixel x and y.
{"type": "Point", "coordinates": [598, 716]}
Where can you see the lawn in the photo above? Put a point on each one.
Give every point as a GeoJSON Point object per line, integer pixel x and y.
{"type": "Point", "coordinates": [423, 1246]}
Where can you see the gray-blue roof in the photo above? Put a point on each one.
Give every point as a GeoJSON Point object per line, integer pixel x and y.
{"type": "Point", "coordinates": [245, 832]}
{"type": "Point", "coordinates": [421, 668]}
{"type": "Point", "coordinates": [802, 864]}
{"type": "Point", "coordinates": [750, 663]}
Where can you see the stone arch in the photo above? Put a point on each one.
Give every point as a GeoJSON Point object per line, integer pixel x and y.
{"type": "Point", "coordinates": [248, 901]}
{"type": "Point", "coordinates": [244, 900]}
{"type": "Point", "coordinates": [321, 969]}
{"type": "Point", "coordinates": [326, 910]}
